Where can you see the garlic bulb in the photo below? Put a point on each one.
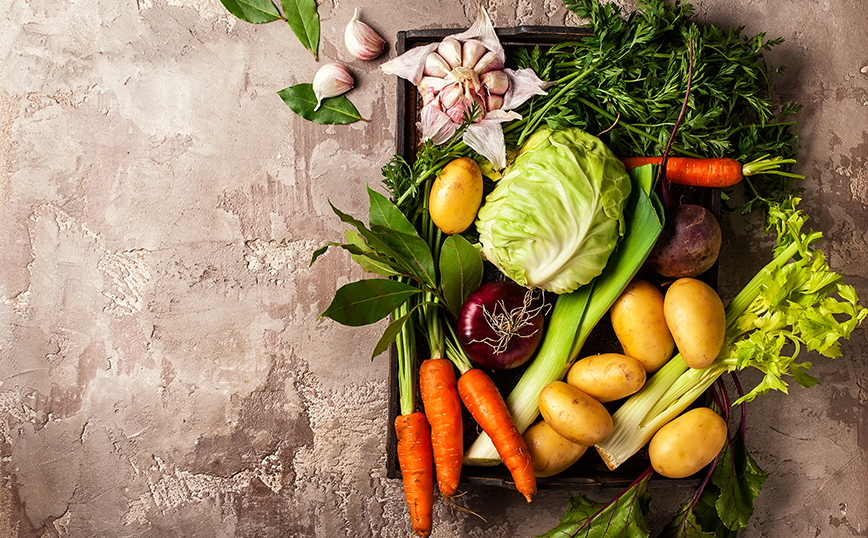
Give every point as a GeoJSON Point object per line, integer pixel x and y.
{"type": "Point", "coordinates": [362, 41]}
{"type": "Point", "coordinates": [463, 78]}
{"type": "Point", "coordinates": [331, 80]}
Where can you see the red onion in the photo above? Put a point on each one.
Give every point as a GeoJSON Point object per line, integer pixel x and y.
{"type": "Point", "coordinates": [500, 324]}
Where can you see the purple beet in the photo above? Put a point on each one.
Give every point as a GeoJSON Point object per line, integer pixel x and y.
{"type": "Point", "coordinates": [689, 244]}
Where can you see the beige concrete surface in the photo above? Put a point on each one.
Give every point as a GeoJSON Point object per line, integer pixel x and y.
{"type": "Point", "coordinates": [163, 371]}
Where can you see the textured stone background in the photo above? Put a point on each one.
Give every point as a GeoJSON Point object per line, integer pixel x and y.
{"type": "Point", "coordinates": [162, 368]}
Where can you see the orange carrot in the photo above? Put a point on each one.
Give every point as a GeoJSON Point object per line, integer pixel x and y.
{"type": "Point", "coordinates": [417, 469]}
{"type": "Point", "coordinates": [486, 405]}
{"type": "Point", "coordinates": [716, 172]}
{"type": "Point", "coordinates": [443, 411]}
{"type": "Point", "coordinates": [722, 172]}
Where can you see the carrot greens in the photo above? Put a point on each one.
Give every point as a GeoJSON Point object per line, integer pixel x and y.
{"type": "Point", "coordinates": [625, 84]}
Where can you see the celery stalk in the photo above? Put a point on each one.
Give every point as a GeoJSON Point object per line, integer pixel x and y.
{"type": "Point", "coordinates": [576, 314]}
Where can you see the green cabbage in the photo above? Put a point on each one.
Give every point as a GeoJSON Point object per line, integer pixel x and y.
{"type": "Point", "coordinates": [557, 213]}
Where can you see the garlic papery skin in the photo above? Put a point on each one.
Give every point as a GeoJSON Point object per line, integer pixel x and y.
{"type": "Point", "coordinates": [362, 41]}
{"type": "Point", "coordinates": [331, 80]}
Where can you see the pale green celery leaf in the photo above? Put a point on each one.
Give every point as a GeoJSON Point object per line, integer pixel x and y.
{"type": "Point", "coordinates": [557, 213]}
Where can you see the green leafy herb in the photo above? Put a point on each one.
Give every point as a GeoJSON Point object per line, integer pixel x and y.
{"type": "Point", "coordinates": [303, 19]}
{"type": "Point", "coordinates": [333, 111]}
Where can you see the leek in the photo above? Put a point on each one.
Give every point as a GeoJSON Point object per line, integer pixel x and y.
{"type": "Point", "coordinates": [575, 314]}
{"type": "Point", "coordinates": [795, 301]}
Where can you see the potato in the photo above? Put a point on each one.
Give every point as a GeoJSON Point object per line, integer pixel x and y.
{"type": "Point", "coordinates": [695, 317]}
{"type": "Point", "coordinates": [688, 443]}
{"type": "Point", "coordinates": [607, 377]}
{"type": "Point", "coordinates": [574, 414]}
{"type": "Point", "coordinates": [638, 321]}
{"type": "Point", "coordinates": [550, 452]}
{"type": "Point", "coordinates": [456, 195]}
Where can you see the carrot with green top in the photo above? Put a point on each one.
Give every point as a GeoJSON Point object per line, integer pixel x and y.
{"type": "Point", "coordinates": [415, 457]}
{"type": "Point", "coordinates": [714, 172]}
{"type": "Point", "coordinates": [486, 405]}
{"type": "Point", "coordinates": [417, 469]}
{"type": "Point", "coordinates": [443, 410]}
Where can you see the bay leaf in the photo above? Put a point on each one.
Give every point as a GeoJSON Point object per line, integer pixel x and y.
{"type": "Point", "coordinates": [252, 11]}
{"type": "Point", "coordinates": [460, 271]}
{"type": "Point", "coordinates": [368, 301]}
{"type": "Point", "coordinates": [303, 19]}
{"type": "Point", "coordinates": [334, 110]}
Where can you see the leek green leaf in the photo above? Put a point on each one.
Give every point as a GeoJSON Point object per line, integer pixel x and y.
{"type": "Point", "coordinates": [303, 19]}
{"type": "Point", "coordinates": [333, 111]}
{"type": "Point", "coordinates": [253, 11]}
{"type": "Point", "coordinates": [460, 271]}
{"type": "Point", "coordinates": [368, 301]}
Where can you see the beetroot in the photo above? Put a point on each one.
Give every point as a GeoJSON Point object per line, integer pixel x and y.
{"type": "Point", "coordinates": [689, 244]}
{"type": "Point", "coordinates": [500, 324]}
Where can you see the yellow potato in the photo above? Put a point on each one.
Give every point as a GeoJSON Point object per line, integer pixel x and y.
{"type": "Point", "coordinates": [607, 377]}
{"type": "Point", "coordinates": [695, 316]}
{"type": "Point", "coordinates": [688, 443]}
{"type": "Point", "coordinates": [550, 452]}
{"type": "Point", "coordinates": [456, 195]}
{"type": "Point", "coordinates": [638, 321]}
{"type": "Point", "coordinates": [574, 414]}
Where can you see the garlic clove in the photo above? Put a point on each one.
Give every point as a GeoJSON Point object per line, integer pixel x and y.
{"type": "Point", "coordinates": [493, 102]}
{"type": "Point", "coordinates": [496, 82]}
{"type": "Point", "coordinates": [450, 95]}
{"type": "Point", "coordinates": [471, 52]}
{"type": "Point", "coordinates": [490, 62]}
{"type": "Point", "coordinates": [434, 84]}
{"type": "Point", "coordinates": [450, 50]}
{"type": "Point", "coordinates": [436, 66]}
{"type": "Point", "coordinates": [362, 41]}
{"type": "Point", "coordinates": [331, 80]}
{"type": "Point", "coordinates": [429, 88]}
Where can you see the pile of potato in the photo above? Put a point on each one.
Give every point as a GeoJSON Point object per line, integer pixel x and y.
{"type": "Point", "coordinates": [650, 326]}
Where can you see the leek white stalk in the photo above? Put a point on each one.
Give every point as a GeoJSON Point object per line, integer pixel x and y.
{"type": "Point", "coordinates": [576, 314]}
